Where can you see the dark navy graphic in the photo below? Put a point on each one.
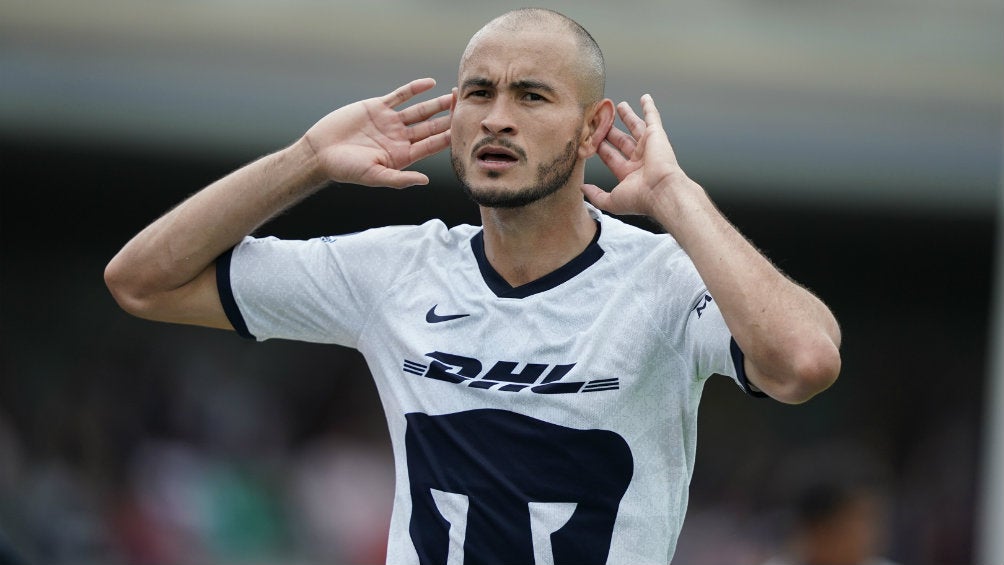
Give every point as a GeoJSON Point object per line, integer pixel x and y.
{"type": "Point", "coordinates": [703, 304]}
{"type": "Point", "coordinates": [512, 489]}
{"type": "Point", "coordinates": [434, 318]}
{"type": "Point", "coordinates": [540, 378]}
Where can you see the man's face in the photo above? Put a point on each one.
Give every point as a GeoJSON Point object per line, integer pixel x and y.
{"type": "Point", "coordinates": [517, 123]}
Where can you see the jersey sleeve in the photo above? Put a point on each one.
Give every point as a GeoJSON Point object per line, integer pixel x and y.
{"type": "Point", "coordinates": [320, 290]}
{"type": "Point", "coordinates": [711, 345]}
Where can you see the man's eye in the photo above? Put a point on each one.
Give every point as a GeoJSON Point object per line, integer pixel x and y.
{"type": "Point", "coordinates": [533, 97]}
{"type": "Point", "coordinates": [479, 93]}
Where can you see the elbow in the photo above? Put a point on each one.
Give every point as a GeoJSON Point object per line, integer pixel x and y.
{"type": "Point", "coordinates": [126, 289]}
{"type": "Point", "coordinates": [812, 371]}
{"type": "Point", "coordinates": [815, 372]}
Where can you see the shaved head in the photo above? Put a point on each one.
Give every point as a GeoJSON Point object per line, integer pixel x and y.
{"type": "Point", "coordinates": [590, 72]}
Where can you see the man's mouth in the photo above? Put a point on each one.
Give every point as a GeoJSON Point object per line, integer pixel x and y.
{"type": "Point", "coordinates": [496, 154]}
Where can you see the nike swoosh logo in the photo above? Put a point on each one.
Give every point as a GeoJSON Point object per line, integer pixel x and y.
{"type": "Point", "coordinates": [433, 318]}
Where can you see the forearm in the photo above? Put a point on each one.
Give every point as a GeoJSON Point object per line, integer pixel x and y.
{"type": "Point", "coordinates": [789, 337]}
{"type": "Point", "coordinates": [165, 272]}
{"type": "Point", "coordinates": [178, 247]}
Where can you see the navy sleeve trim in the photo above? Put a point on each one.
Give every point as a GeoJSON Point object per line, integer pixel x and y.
{"type": "Point", "coordinates": [738, 359]}
{"type": "Point", "coordinates": [227, 295]}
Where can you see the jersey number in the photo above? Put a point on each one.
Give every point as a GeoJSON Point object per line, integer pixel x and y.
{"type": "Point", "coordinates": [491, 486]}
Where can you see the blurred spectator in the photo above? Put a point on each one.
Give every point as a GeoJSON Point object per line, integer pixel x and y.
{"type": "Point", "coordinates": [341, 493]}
{"type": "Point", "coordinates": [725, 533]}
{"type": "Point", "coordinates": [187, 505]}
{"type": "Point", "coordinates": [836, 524]}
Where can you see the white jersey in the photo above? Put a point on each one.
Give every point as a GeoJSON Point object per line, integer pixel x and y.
{"type": "Point", "coordinates": [553, 422]}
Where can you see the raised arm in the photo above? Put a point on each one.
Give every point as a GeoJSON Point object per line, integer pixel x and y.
{"type": "Point", "coordinates": [789, 337]}
{"type": "Point", "coordinates": [167, 273]}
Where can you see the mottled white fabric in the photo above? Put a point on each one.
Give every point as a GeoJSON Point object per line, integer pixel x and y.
{"type": "Point", "coordinates": [549, 423]}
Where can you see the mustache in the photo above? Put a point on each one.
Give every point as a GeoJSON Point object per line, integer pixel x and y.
{"type": "Point", "coordinates": [500, 142]}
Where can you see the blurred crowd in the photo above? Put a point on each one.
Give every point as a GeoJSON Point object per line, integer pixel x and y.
{"type": "Point", "coordinates": [215, 473]}
{"type": "Point", "coordinates": [192, 463]}
{"type": "Point", "coordinates": [181, 503]}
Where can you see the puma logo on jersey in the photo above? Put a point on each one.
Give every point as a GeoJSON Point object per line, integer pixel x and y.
{"type": "Point", "coordinates": [540, 378]}
{"type": "Point", "coordinates": [486, 489]}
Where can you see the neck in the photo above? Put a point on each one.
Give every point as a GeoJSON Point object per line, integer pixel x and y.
{"type": "Point", "coordinates": [524, 244]}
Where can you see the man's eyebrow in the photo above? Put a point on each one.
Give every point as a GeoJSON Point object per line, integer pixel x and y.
{"type": "Point", "coordinates": [525, 84]}
{"type": "Point", "coordinates": [528, 84]}
{"type": "Point", "coordinates": [481, 82]}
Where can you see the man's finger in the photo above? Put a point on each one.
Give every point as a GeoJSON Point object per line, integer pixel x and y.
{"type": "Point", "coordinates": [654, 119]}
{"type": "Point", "coordinates": [401, 179]}
{"type": "Point", "coordinates": [425, 110]}
{"type": "Point", "coordinates": [635, 124]}
{"type": "Point", "coordinates": [612, 158]}
{"type": "Point", "coordinates": [648, 108]}
{"type": "Point", "coordinates": [429, 128]}
{"type": "Point", "coordinates": [429, 146]}
{"type": "Point", "coordinates": [404, 93]}
{"type": "Point", "coordinates": [608, 152]}
{"type": "Point", "coordinates": [622, 141]}
{"type": "Point", "coordinates": [596, 195]}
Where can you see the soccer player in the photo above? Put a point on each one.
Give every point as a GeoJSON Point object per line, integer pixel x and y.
{"type": "Point", "coordinates": [541, 373]}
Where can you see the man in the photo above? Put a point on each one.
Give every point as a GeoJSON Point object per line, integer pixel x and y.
{"type": "Point", "coordinates": [540, 374]}
{"type": "Point", "coordinates": [836, 524]}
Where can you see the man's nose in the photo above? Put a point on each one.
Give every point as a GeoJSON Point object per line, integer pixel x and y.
{"type": "Point", "coordinates": [499, 119]}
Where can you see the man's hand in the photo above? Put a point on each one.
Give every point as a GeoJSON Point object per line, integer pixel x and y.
{"type": "Point", "coordinates": [167, 272]}
{"type": "Point", "coordinates": [643, 161]}
{"type": "Point", "coordinates": [369, 142]}
{"type": "Point", "coordinates": [789, 338]}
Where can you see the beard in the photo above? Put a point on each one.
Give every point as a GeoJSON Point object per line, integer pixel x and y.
{"type": "Point", "coordinates": [551, 176]}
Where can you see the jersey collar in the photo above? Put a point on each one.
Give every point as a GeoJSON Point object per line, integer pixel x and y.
{"type": "Point", "coordinates": [562, 274]}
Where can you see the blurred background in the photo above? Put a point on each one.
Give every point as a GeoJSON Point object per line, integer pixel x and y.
{"type": "Point", "coordinates": [858, 143]}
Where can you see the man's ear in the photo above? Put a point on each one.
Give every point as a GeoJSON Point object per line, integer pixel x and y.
{"type": "Point", "coordinates": [453, 102]}
{"type": "Point", "coordinates": [599, 119]}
